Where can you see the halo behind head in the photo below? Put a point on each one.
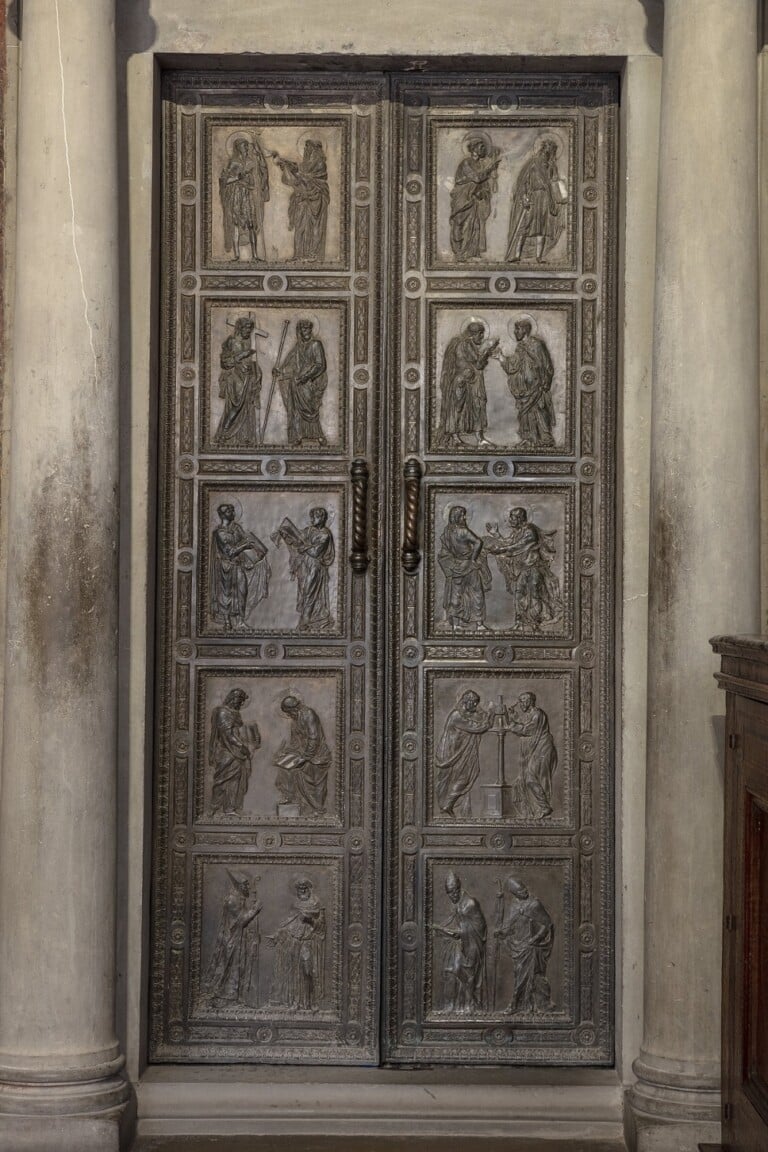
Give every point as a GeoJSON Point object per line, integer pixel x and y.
{"type": "Point", "coordinates": [248, 134]}
{"type": "Point", "coordinates": [475, 320]}
{"type": "Point", "coordinates": [308, 318]}
{"type": "Point", "coordinates": [479, 135]}
{"type": "Point", "coordinates": [522, 318]}
{"type": "Point", "coordinates": [308, 136]}
{"type": "Point", "coordinates": [234, 503]}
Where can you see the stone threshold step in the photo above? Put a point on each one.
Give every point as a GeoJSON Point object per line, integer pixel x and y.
{"type": "Point", "coordinates": [365, 1144]}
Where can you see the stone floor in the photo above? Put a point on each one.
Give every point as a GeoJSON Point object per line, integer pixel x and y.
{"type": "Point", "coordinates": [362, 1144]}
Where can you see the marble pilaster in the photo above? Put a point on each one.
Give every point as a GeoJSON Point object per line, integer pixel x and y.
{"type": "Point", "coordinates": [704, 563]}
{"type": "Point", "coordinates": [60, 1083]}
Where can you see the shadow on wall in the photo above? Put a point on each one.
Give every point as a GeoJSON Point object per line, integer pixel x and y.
{"type": "Point", "coordinates": [654, 31]}
{"type": "Point", "coordinates": [136, 28]}
{"type": "Point", "coordinates": [136, 33]}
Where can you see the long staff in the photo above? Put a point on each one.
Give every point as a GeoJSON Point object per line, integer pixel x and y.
{"type": "Point", "coordinates": [255, 352]}
{"type": "Point", "coordinates": [275, 373]}
{"type": "Point", "coordinates": [497, 940]}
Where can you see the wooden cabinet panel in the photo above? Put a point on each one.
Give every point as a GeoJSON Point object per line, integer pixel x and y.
{"type": "Point", "coordinates": [745, 936]}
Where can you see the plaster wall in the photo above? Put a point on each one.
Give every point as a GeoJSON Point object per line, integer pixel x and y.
{"type": "Point", "coordinates": [9, 91]}
{"type": "Point", "coordinates": [616, 35]}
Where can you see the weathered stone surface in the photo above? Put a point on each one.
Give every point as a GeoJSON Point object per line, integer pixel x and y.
{"type": "Point", "coordinates": [58, 1050]}
{"type": "Point", "coordinates": [704, 566]}
{"type": "Point", "coordinates": [598, 27]}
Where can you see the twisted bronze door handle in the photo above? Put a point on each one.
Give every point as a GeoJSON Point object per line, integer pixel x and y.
{"type": "Point", "coordinates": [359, 473]}
{"type": "Point", "coordinates": [412, 473]}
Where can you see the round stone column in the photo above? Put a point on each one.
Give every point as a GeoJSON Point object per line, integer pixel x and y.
{"type": "Point", "coordinates": [60, 1086]}
{"type": "Point", "coordinates": [705, 528]}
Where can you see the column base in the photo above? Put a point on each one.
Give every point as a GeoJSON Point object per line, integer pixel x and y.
{"type": "Point", "coordinates": [77, 1106]}
{"type": "Point", "coordinates": [675, 1105]}
{"type": "Point", "coordinates": [59, 1134]}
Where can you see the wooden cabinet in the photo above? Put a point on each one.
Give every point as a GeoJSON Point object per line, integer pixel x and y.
{"type": "Point", "coordinates": [744, 677]}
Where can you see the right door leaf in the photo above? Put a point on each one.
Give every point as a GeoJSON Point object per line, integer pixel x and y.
{"type": "Point", "coordinates": [501, 921]}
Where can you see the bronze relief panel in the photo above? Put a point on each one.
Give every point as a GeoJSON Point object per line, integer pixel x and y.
{"type": "Point", "coordinates": [499, 378]}
{"type": "Point", "coordinates": [266, 844]}
{"type": "Point", "coordinates": [518, 582]}
{"type": "Point", "coordinates": [501, 192]}
{"type": "Point", "coordinates": [521, 943]}
{"type": "Point", "coordinates": [272, 559]}
{"type": "Point", "coordinates": [275, 375]}
{"type": "Point", "coordinates": [385, 551]}
{"type": "Point", "coordinates": [498, 748]}
{"type": "Point", "coordinates": [276, 191]}
{"type": "Point", "coordinates": [502, 481]}
{"type": "Point", "coordinates": [268, 942]}
{"type": "Point", "coordinates": [270, 747]}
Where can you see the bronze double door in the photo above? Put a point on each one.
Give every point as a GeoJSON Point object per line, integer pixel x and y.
{"type": "Point", "coordinates": [382, 826]}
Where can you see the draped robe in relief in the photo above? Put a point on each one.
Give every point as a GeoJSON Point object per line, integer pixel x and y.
{"type": "Point", "coordinates": [464, 957]}
{"type": "Point", "coordinates": [303, 762]}
{"type": "Point", "coordinates": [303, 381]}
{"type": "Point", "coordinates": [233, 972]}
{"type": "Point", "coordinates": [312, 571]}
{"type": "Point", "coordinates": [312, 553]}
{"type": "Point", "coordinates": [538, 763]}
{"type": "Point", "coordinates": [474, 184]}
{"type": "Point", "coordinates": [462, 387]}
{"type": "Point", "coordinates": [240, 389]}
{"type": "Point", "coordinates": [229, 746]}
{"type": "Point", "coordinates": [299, 972]}
{"type": "Point", "coordinates": [527, 934]}
{"type": "Point", "coordinates": [535, 211]}
{"type": "Point", "coordinates": [467, 576]}
{"type": "Point", "coordinates": [458, 760]}
{"type": "Point", "coordinates": [524, 558]}
{"type": "Point", "coordinates": [308, 205]}
{"type": "Point", "coordinates": [529, 373]}
{"type": "Point", "coordinates": [239, 577]}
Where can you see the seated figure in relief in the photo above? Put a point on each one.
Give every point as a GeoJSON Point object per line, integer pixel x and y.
{"type": "Point", "coordinates": [303, 760]}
